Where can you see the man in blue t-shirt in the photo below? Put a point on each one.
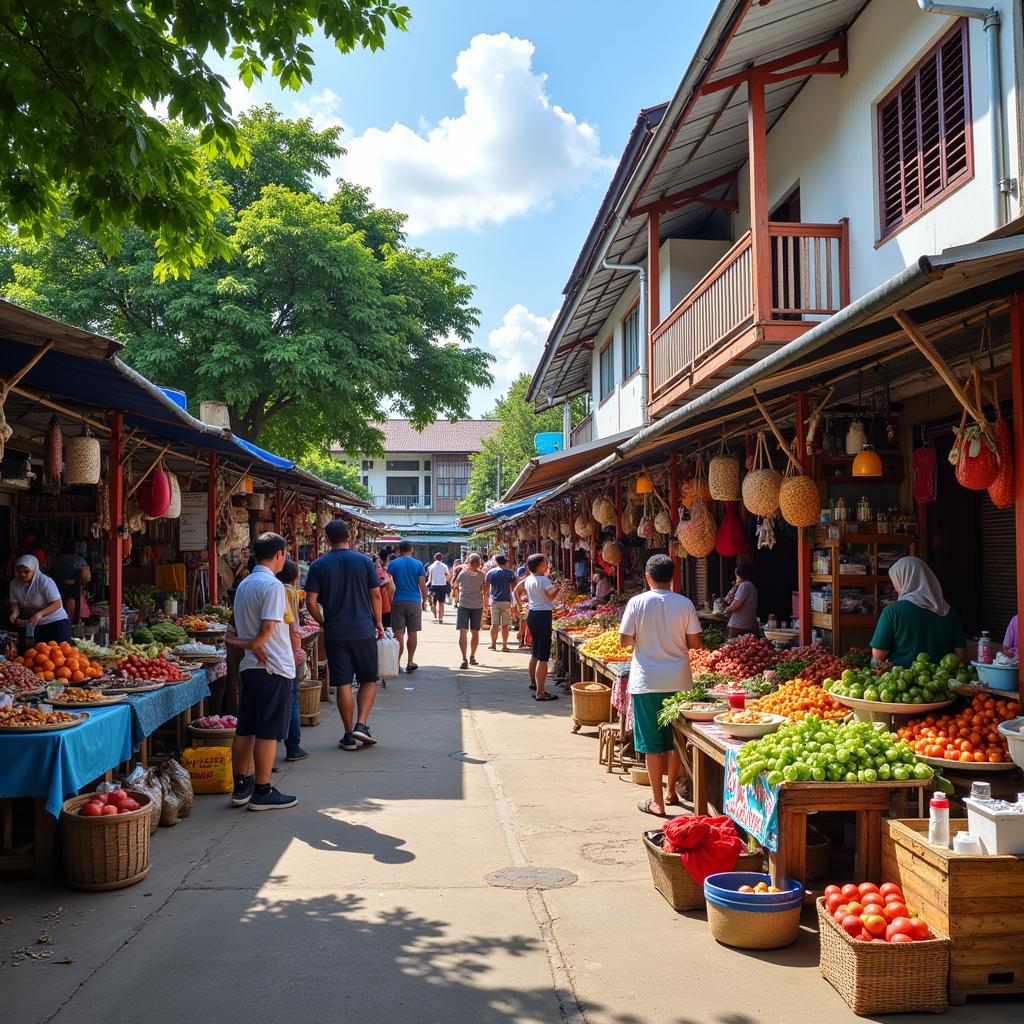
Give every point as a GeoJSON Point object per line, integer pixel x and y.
{"type": "Point", "coordinates": [409, 601]}
{"type": "Point", "coordinates": [501, 579]}
{"type": "Point", "coordinates": [343, 595]}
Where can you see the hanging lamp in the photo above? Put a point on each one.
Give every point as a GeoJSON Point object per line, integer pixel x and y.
{"type": "Point", "coordinates": [644, 484]}
{"type": "Point", "coordinates": [867, 462]}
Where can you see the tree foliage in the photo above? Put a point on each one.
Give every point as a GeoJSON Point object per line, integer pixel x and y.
{"type": "Point", "coordinates": [323, 322]}
{"type": "Point", "coordinates": [513, 441]}
{"type": "Point", "coordinates": [82, 78]}
{"type": "Point", "coordinates": [334, 471]}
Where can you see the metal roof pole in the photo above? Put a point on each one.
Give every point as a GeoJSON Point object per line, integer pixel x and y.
{"type": "Point", "coordinates": [1017, 385]}
{"type": "Point", "coordinates": [638, 268]}
{"type": "Point", "coordinates": [115, 485]}
{"type": "Point", "coordinates": [211, 528]}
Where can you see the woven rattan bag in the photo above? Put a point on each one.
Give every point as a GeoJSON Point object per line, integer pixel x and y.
{"type": "Point", "coordinates": [724, 477]}
{"type": "Point", "coordinates": [761, 485]}
{"type": "Point", "coordinates": [799, 501]}
{"type": "Point", "coordinates": [582, 526]}
{"type": "Point", "coordinates": [611, 552]}
{"type": "Point", "coordinates": [697, 534]}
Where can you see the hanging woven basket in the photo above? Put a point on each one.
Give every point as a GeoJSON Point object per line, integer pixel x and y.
{"type": "Point", "coordinates": [724, 477]}
{"type": "Point", "coordinates": [582, 526]}
{"type": "Point", "coordinates": [82, 460]}
{"type": "Point", "coordinates": [155, 494]}
{"type": "Point", "coordinates": [761, 485]}
{"type": "Point", "coordinates": [663, 523]}
{"type": "Point", "coordinates": [629, 520]}
{"type": "Point", "coordinates": [697, 534]}
{"type": "Point", "coordinates": [799, 501]}
{"type": "Point", "coordinates": [611, 552]}
{"type": "Point", "coordinates": [604, 511]}
{"type": "Point", "coordinates": [174, 506]}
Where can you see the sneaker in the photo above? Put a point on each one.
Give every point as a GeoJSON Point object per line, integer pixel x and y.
{"type": "Point", "coordinates": [244, 789]}
{"type": "Point", "coordinates": [298, 754]}
{"type": "Point", "coordinates": [275, 800]}
{"type": "Point", "coordinates": [348, 742]}
{"type": "Point", "coordinates": [362, 733]}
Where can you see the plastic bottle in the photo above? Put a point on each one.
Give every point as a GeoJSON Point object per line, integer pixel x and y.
{"type": "Point", "coordinates": [985, 648]}
{"type": "Point", "coordinates": [938, 820]}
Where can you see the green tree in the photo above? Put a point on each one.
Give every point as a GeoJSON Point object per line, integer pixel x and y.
{"type": "Point", "coordinates": [513, 441]}
{"type": "Point", "coordinates": [323, 323]}
{"type": "Point", "coordinates": [335, 472]}
{"type": "Point", "coordinates": [80, 82]}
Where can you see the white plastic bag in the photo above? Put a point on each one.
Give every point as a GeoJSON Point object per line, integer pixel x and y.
{"type": "Point", "coordinates": [387, 656]}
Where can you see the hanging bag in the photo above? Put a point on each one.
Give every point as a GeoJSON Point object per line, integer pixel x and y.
{"type": "Point", "coordinates": [799, 500]}
{"type": "Point", "coordinates": [761, 485]}
{"type": "Point", "coordinates": [974, 452]}
{"type": "Point", "coordinates": [1001, 490]}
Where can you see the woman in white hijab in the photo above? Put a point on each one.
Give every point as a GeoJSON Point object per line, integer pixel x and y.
{"type": "Point", "coordinates": [35, 601]}
{"type": "Point", "coordinates": [919, 621]}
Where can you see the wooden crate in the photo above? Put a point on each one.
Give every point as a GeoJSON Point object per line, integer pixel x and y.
{"type": "Point", "coordinates": [978, 901]}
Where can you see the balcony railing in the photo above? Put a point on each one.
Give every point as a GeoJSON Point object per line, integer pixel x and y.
{"type": "Point", "coordinates": [400, 501]}
{"type": "Point", "coordinates": [582, 432]}
{"type": "Point", "coordinates": [810, 280]}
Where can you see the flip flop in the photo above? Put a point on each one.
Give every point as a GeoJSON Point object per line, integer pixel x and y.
{"type": "Point", "coordinates": [645, 806]}
{"type": "Point", "coordinates": [411, 668]}
{"type": "Point", "coordinates": [473, 661]}
{"type": "Point", "coordinates": [491, 647]}
{"type": "Point", "coordinates": [533, 686]}
{"type": "Point", "coordinates": [506, 650]}
{"type": "Point", "coordinates": [465, 664]}
{"type": "Point", "coordinates": [546, 697]}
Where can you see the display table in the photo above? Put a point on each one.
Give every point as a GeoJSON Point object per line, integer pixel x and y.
{"type": "Point", "coordinates": [149, 711]}
{"type": "Point", "coordinates": [703, 746]}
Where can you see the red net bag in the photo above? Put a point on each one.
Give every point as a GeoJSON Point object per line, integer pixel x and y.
{"type": "Point", "coordinates": [1001, 490]}
{"type": "Point", "coordinates": [731, 539]}
{"type": "Point", "coordinates": [924, 474]}
{"type": "Point", "coordinates": [974, 452]}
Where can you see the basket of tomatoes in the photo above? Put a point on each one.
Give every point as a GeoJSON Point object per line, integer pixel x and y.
{"type": "Point", "coordinates": [60, 662]}
{"type": "Point", "coordinates": [877, 955]}
{"type": "Point", "coordinates": [105, 837]}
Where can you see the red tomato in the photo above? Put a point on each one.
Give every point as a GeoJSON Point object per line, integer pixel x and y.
{"type": "Point", "coordinates": [872, 899]}
{"type": "Point", "coordinates": [851, 925]}
{"type": "Point", "coordinates": [889, 888]}
{"type": "Point", "coordinates": [900, 926]}
{"type": "Point", "coordinates": [834, 902]}
{"type": "Point", "coordinates": [921, 929]}
{"type": "Point", "coordinates": [91, 810]}
{"type": "Point", "coordinates": [101, 798]}
{"type": "Point", "coordinates": [875, 924]}
{"type": "Point", "coordinates": [894, 910]}
{"type": "Point", "coordinates": [866, 887]}
{"type": "Point", "coordinates": [110, 809]}
{"type": "Point", "coordinates": [900, 937]}
{"type": "Point", "coordinates": [831, 889]}
{"type": "Point", "coordinates": [862, 937]}
{"type": "Point", "coordinates": [840, 914]}
{"type": "Point", "coordinates": [855, 907]}
{"type": "Point", "coordinates": [851, 892]}
{"type": "Point", "coordinates": [115, 796]}
{"type": "Point", "coordinates": [128, 804]}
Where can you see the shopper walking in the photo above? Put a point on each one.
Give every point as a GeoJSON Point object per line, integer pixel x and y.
{"type": "Point", "coordinates": [662, 628]}
{"type": "Point", "coordinates": [343, 595]}
{"type": "Point", "coordinates": [387, 591]}
{"type": "Point", "coordinates": [267, 671]}
{"type": "Point", "coordinates": [438, 577]}
{"type": "Point", "coordinates": [470, 597]}
{"type": "Point", "coordinates": [293, 741]}
{"type": "Point", "coordinates": [409, 602]}
{"type": "Point", "coordinates": [540, 596]}
{"type": "Point", "coordinates": [500, 581]}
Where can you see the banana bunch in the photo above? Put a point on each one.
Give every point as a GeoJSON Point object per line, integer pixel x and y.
{"type": "Point", "coordinates": [606, 647]}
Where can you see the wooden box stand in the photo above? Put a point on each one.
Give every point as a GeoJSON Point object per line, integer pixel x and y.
{"type": "Point", "coordinates": [978, 901]}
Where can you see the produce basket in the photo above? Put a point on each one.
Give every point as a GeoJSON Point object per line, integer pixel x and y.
{"type": "Point", "coordinates": [309, 702]}
{"type": "Point", "coordinates": [673, 881]}
{"type": "Point", "coordinates": [210, 737]}
{"type": "Point", "coordinates": [883, 977]}
{"type": "Point", "coordinates": [106, 852]}
{"type": "Point", "coordinates": [591, 707]}
{"type": "Point", "coordinates": [752, 920]}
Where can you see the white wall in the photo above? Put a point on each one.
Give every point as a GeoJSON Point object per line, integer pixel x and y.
{"type": "Point", "coordinates": [827, 142]}
{"type": "Point", "coordinates": [683, 262]}
{"type": "Point", "coordinates": [377, 477]}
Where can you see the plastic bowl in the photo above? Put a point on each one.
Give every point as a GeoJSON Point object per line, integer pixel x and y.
{"type": "Point", "coordinates": [744, 731]}
{"type": "Point", "coordinates": [999, 677]}
{"type": "Point", "coordinates": [725, 887]}
{"type": "Point", "coordinates": [1013, 730]}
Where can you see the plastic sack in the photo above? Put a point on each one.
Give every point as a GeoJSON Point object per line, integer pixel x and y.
{"type": "Point", "coordinates": [387, 657]}
{"type": "Point", "coordinates": [176, 784]}
{"type": "Point", "coordinates": [145, 781]}
{"type": "Point", "coordinates": [209, 768]}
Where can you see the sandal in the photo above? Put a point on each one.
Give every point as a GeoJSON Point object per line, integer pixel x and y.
{"type": "Point", "coordinates": [646, 805]}
{"type": "Point", "coordinates": [533, 686]}
{"type": "Point", "coordinates": [506, 650]}
{"type": "Point", "coordinates": [465, 664]}
{"type": "Point", "coordinates": [411, 667]}
{"type": "Point", "coordinates": [473, 661]}
{"type": "Point", "coordinates": [491, 647]}
{"type": "Point", "coordinates": [545, 696]}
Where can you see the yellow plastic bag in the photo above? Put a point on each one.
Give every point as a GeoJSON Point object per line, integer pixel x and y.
{"type": "Point", "coordinates": [209, 768]}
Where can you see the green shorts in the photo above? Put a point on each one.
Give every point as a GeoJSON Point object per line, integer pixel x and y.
{"type": "Point", "coordinates": [648, 736]}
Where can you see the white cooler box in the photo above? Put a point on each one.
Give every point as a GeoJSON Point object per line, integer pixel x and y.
{"type": "Point", "coordinates": [999, 831]}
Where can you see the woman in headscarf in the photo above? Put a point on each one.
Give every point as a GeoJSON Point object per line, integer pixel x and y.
{"type": "Point", "coordinates": [920, 620]}
{"type": "Point", "coordinates": [35, 601]}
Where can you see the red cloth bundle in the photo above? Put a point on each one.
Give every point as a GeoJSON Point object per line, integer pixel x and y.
{"type": "Point", "coordinates": [707, 845]}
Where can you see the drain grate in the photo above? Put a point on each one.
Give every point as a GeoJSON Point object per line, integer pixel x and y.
{"type": "Point", "coordinates": [530, 878]}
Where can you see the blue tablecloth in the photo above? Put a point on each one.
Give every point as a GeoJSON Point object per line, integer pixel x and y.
{"type": "Point", "coordinates": [150, 710]}
{"type": "Point", "coordinates": [55, 765]}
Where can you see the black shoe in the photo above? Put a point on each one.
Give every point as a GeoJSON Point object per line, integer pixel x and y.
{"type": "Point", "coordinates": [244, 789]}
{"type": "Point", "coordinates": [362, 733]}
{"type": "Point", "coordinates": [348, 742]}
{"type": "Point", "coordinates": [298, 754]}
{"type": "Point", "coordinates": [273, 800]}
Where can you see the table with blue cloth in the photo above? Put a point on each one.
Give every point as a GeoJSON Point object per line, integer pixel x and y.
{"type": "Point", "coordinates": [151, 710]}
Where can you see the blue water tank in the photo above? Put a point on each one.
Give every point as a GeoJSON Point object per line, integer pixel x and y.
{"type": "Point", "coordinates": [548, 442]}
{"type": "Point", "coordinates": [177, 397]}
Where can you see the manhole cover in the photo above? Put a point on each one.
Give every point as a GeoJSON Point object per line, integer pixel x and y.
{"type": "Point", "coordinates": [530, 878]}
{"type": "Point", "coordinates": [616, 852]}
{"type": "Point", "coordinates": [461, 755]}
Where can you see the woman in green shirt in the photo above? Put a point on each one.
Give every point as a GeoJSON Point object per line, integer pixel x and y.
{"type": "Point", "coordinates": [919, 621]}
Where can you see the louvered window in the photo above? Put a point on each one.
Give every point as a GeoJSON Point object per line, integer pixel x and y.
{"type": "Point", "coordinates": [924, 133]}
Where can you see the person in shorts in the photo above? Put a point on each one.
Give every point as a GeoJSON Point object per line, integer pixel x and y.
{"type": "Point", "coordinates": [289, 576]}
{"type": "Point", "coordinates": [267, 671]}
{"type": "Point", "coordinates": [540, 596]}
{"type": "Point", "coordinates": [470, 596]}
{"type": "Point", "coordinates": [437, 585]}
{"type": "Point", "coordinates": [662, 628]}
{"type": "Point", "coordinates": [409, 601]}
{"type": "Point", "coordinates": [500, 581]}
{"type": "Point", "coordinates": [343, 595]}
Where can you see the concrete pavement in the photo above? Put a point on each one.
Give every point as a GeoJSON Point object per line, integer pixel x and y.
{"type": "Point", "coordinates": [368, 900]}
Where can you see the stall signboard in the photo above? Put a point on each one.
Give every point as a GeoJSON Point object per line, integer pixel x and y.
{"type": "Point", "coordinates": [755, 808]}
{"type": "Point", "coordinates": [192, 523]}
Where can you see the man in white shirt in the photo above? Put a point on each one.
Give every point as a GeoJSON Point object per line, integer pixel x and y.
{"type": "Point", "coordinates": [267, 670]}
{"type": "Point", "coordinates": [662, 627]}
{"type": "Point", "coordinates": [437, 583]}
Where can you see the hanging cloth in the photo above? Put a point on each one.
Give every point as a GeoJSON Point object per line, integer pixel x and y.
{"type": "Point", "coordinates": [924, 474]}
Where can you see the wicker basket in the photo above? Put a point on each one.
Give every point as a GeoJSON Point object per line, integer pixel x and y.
{"type": "Point", "coordinates": [108, 852]}
{"type": "Point", "coordinates": [747, 929]}
{"type": "Point", "coordinates": [881, 977]}
{"type": "Point", "coordinates": [799, 501]}
{"type": "Point", "coordinates": [210, 737]}
{"type": "Point", "coordinates": [591, 707]}
{"type": "Point", "coordinates": [154, 807]}
{"type": "Point", "coordinates": [309, 702]}
{"type": "Point", "coordinates": [698, 533]}
{"type": "Point", "coordinates": [582, 526]}
{"type": "Point", "coordinates": [761, 485]}
{"type": "Point", "coordinates": [724, 478]}
{"type": "Point", "coordinates": [611, 552]}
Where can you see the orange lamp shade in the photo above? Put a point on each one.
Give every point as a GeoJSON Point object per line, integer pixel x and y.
{"type": "Point", "coordinates": [644, 484]}
{"type": "Point", "coordinates": [867, 463]}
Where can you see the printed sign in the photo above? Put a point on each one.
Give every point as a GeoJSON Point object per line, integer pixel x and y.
{"type": "Point", "coordinates": [192, 522]}
{"type": "Point", "coordinates": [755, 808]}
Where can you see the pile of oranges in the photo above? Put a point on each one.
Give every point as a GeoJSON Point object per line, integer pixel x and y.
{"type": "Point", "coordinates": [60, 662]}
{"type": "Point", "coordinates": [797, 699]}
{"type": "Point", "coordinates": [970, 735]}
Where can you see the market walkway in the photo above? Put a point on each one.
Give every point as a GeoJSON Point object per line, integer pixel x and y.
{"type": "Point", "coordinates": [368, 901]}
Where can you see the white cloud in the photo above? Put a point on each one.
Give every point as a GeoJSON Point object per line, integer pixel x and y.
{"type": "Point", "coordinates": [321, 109]}
{"type": "Point", "coordinates": [517, 344]}
{"type": "Point", "coordinates": [509, 151]}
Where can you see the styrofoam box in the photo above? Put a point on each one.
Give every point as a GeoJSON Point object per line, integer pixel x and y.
{"type": "Point", "coordinates": [999, 831]}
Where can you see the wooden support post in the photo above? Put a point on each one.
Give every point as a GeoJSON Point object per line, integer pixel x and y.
{"type": "Point", "coordinates": [653, 289]}
{"type": "Point", "coordinates": [619, 570]}
{"type": "Point", "coordinates": [673, 511]}
{"type": "Point", "coordinates": [115, 485]}
{"type": "Point", "coordinates": [803, 560]}
{"type": "Point", "coordinates": [316, 527]}
{"type": "Point", "coordinates": [211, 527]}
{"type": "Point", "coordinates": [1017, 387]}
{"type": "Point", "coordinates": [595, 536]}
{"type": "Point", "coordinates": [277, 506]}
{"type": "Point", "coordinates": [295, 534]}
{"type": "Point", "coordinates": [760, 240]}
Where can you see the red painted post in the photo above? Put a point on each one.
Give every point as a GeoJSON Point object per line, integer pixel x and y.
{"type": "Point", "coordinates": [760, 240]}
{"type": "Point", "coordinates": [1017, 383]}
{"type": "Point", "coordinates": [115, 479]}
{"type": "Point", "coordinates": [619, 570]}
{"type": "Point", "coordinates": [803, 558]}
{"type": "Point", "coordinates": [295, 534]}
{"type": "Point", "coordinates": [316, 527]}
{"type": "Point", "coordinates": [673, 511]}
{"type": "Point", "coordinates": [211, 527]}
{"type": "Point", "coordinates": [277, 506]}
{"type": "Point", "coordinates": [653, 292]}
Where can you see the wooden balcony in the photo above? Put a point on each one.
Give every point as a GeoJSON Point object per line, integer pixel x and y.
{"type": "Point", "coordinates": [583, 431]}
{"type": "Point", "coordinates": [714, 328]}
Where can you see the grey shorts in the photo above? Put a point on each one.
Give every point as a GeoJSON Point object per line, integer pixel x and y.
{"type": "Point", "coordinates": [501, 613]}
{"type": "Point", "coordinates": [468, 618]}
{"type": "Point", "coordinates": [407, 615]}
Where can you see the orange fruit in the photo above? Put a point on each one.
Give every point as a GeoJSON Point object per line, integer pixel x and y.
{"type": "Point", "coordinates": [63, 673]}
{"type": "Point", "coordinates": [77, 677]}
{"type": "Point", "coordinates": [48, 676]}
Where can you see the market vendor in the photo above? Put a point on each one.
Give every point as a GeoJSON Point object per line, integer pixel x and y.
{"type": "Point", "coordinates": [35, 601]}
{"type": "Point", "coordinates": [741, 602]}
{"type": "Point", "coordinates": [919, 621]}
{"type": "Point", "coordinates": [1011, 641]}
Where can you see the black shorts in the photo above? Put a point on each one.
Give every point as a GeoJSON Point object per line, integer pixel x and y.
{"type": "Point", "coordinates": [539, 624]}
{"type": "Point", "coordinates": [468, 618]}
{"type": "Point", "coordinates": [439, 593]}
{"type": "Point", "coordinates": [385, 620]}
{"type": "Point", "coordinates": [349, 660]}
{"type": "Point", "coordinates": [265, 705]}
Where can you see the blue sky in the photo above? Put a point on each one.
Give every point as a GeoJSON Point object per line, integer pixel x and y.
{"type": "Point", "coordinates": [504, 167]}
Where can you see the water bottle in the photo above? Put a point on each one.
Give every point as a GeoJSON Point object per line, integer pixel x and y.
{"type": "Point", "coordinates": [938, 820]}
{"type": "Point", "coordinates": [985, 648]}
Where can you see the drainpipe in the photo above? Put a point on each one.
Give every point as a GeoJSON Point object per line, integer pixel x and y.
{"type": "Point", "coordinates": [566, 425]}
{"type": "Point", "coordinates": [638, 268]}
{"type": "Point", "coordinates": [989, 17]}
